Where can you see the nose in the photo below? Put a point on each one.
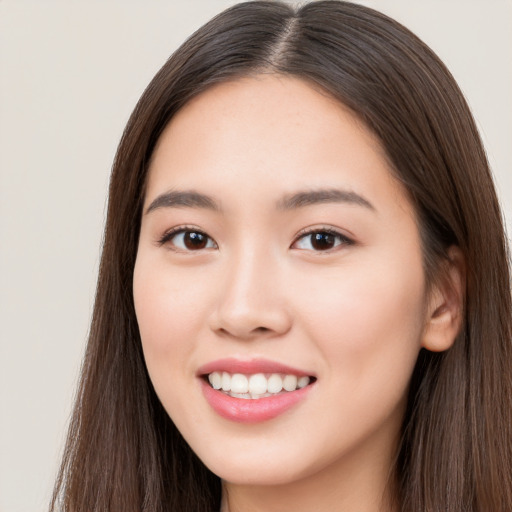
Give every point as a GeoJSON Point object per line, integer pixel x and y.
{"type": "Point", "coordinates": [252, 302]}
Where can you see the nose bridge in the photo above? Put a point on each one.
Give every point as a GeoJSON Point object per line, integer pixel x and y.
{"type": "Point", "coordinates": [252, 300]}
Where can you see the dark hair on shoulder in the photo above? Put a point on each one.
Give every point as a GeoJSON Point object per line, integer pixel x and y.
{"type": "Point", "coordinates": [124, 453]}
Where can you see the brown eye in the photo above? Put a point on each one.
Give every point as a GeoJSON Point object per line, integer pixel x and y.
{"type": "Point", "coordinates": [321, 241]}
{"type": "Point", "coordinates": [194, 240]}
{"type": "Point", "coordinates": [188, 240]}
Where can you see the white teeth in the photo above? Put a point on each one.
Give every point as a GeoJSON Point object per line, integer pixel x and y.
{"type": "Point", "coordinates": [215, 379]}
{"type": "Point", "coordinates": [240, 395]}
{"type": "Point", "coordinates": [290, 383]}
{"type": "Point", "coordinates": [302, 382]}
{"type": "Point", "coordinates": [226, 381]}
{"type": "Point", "coordinates": [260, 395]}
{"type": "Point", "coordinates": [239, 383]}
{"type": "Point", "coordinates": [275, 383]}
{"type": "Point", "coordinates": [256, 385]}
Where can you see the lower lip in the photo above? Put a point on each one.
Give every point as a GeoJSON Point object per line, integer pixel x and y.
{"type": "Point", "coordinates": [243, 410]}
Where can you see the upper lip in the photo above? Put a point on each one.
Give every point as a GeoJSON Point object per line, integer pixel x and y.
{"type": "Point", "coordinates": [249, 367]}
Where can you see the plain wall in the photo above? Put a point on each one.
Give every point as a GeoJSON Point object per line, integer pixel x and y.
{"type": "Point", "coordinates": [70, 74]}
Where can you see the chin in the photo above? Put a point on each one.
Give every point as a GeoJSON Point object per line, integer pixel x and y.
{"type": "Point", "coordinates": [260, 465]}
{"type": "Point", "coordinates": [256, 475]}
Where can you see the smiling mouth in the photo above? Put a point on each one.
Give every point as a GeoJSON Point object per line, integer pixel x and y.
{"type": "Point", "coordinates": [257, 385]}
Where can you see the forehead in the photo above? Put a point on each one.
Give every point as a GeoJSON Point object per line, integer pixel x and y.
{"type": "Point", "coordinates": [277, 133]}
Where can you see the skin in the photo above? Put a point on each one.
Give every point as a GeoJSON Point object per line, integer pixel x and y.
{"type": "Point", "coordinates": [354, 315]}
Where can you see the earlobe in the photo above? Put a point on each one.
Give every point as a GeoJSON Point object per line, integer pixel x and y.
{"type": "Point", "coordinates": [445, 311]}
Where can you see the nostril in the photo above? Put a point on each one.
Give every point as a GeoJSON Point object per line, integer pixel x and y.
{"type": "Point", "coordinates": [261, 329]}
{"type": "Point", "coordinates": [252, 333]}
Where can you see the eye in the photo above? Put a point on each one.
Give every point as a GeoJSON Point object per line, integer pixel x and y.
{"type": "Point", "coordinates": [321, 240]}
{"type": "Point", "coordinates": [184, 239]}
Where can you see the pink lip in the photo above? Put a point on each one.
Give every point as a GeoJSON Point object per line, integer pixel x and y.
{"type": "Point", "coordinates": [243, 410]}
{"type": "Point", "coordinates": [249, 367]}
{"type": "Point", "coordinates": [247, 410]}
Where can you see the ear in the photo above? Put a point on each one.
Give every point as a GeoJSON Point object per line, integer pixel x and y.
{"type": "Point", "coordinates": [445, 311]}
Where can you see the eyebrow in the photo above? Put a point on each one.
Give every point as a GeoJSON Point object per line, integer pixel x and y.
{"type": "Point", "coordinates": [192, 199]}
{"type": "Point", "coordinates": [185, 199]}
{"type": "Point", "coordinates": [307, 198]}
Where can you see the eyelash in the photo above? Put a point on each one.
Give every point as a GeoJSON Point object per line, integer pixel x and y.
{"type": "Point", "coordinates": [341, 239]}
{"type": "Point", "coordinates": [169, 235]}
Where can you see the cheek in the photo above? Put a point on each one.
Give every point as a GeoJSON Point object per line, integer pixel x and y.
{"type": "Point", "coordinates": [368, 324]}
{"type": "Point", "coordinates": [170, 313]}
{"type": "Point", "coordinates": [170, 308]}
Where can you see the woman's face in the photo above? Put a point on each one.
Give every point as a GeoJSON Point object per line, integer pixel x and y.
{"type": "Point", "coordinates": [276, 249]}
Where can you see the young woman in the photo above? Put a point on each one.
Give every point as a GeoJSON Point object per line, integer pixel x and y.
{"type": "Point", "coordinates": [304, 295]}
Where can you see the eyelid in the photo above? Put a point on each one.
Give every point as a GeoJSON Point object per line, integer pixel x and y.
{"type": "Point", "coordinates": [345, 240]}
{"type": "Point", "coordinates": [172, 232]}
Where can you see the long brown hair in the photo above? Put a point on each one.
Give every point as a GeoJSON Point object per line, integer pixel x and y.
{"type": "Point", "coordinates": [123, 451]}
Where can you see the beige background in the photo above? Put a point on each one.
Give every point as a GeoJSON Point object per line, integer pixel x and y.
{"type": "Point", "coordinates": [70, 73]}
